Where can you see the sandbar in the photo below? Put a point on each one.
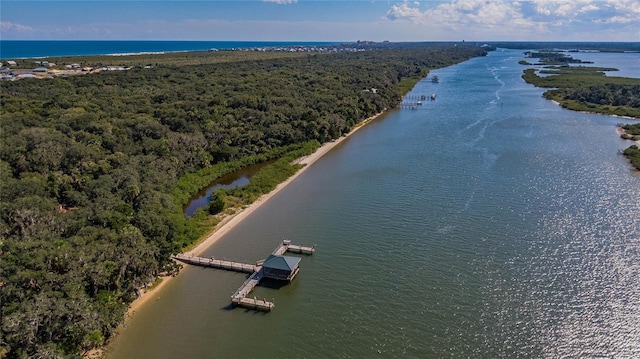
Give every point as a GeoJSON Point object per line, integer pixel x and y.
{"type": "Point", "coordinates": [621, 131]}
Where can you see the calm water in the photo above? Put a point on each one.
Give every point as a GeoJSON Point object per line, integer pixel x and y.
{"type": "Point", "coordinates": [489, 223]}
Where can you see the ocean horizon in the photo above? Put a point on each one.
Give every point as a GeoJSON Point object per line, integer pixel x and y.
{"type": "Point", "coordinates": [26, 49]}
{"type": "Point", "coordinates": [21, 49]}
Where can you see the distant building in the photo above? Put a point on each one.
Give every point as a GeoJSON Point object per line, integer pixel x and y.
{"type": "Point", "coordinates": [11, 63]}
{"type": "Point", "coordinates": [26, 76]}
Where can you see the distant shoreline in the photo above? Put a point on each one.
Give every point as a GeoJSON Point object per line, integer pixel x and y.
{"type": "Point", "coordinates": [597, 113]}
{"type": "Point", "coordinates": [42, 49]}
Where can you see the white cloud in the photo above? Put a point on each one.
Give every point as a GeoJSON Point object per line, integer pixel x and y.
{"type": "Point", "coordinates": [620, 20]}
{"type": "Point", "coordinates": [404, 11]}
{"type": "Point", "coordinates": [590, 7]}
{"type": "Point", "coordinates": [6, 26]}
{"type": "Point", "coordinates": [600, 10]}
{"type": "Point", "coordinates": [556, 7]}
{"type": "Point", "coordinates": [508, 19]}
{"type": "Point", "coordinates": [460, 13]}
{"type": "Point", "coordinates": [281, 2]}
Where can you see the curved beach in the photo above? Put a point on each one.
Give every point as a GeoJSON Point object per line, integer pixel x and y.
{"type": "Point", "coordinates": [231, 221]}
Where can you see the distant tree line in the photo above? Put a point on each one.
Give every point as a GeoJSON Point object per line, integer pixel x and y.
{"type": "Point", "coordinates": [95, 169]}
{"type": "Point", "coordinates": [573, 47]}
{"type": "Point", "coordinates": [554, 57]}
{"type": "Point", "coordinates": [607, 94]}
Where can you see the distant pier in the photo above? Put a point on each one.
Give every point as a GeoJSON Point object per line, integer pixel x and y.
{"type": "Point", "coordinates": [413, 101]}
{"type": "Point", "coordinates": [276, 266]}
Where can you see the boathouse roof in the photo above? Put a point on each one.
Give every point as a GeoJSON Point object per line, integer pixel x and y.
{"type": "Point", "coordinates": [283, 263]}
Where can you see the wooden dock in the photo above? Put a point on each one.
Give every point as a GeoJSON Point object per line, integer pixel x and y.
{"type": "Point", "coordinates": [240, 297]}
{"type": "Point", "coordinates": [286, 246]}
{"type": "Point", "coordinates": [216, 263]}
{"type": "Point", "coordinates": [414, 101]}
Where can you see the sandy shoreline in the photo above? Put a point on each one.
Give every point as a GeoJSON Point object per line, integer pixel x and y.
{"type": "Point", "coordinates": [621, 132]}
{"type": "Point", "coordinates": [231, 221]}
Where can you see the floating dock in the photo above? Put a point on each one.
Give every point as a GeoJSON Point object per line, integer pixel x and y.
{"type": "Point", "coordinates": [258, 272]}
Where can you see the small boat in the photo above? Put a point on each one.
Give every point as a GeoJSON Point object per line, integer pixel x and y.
{"type": "Point", "coordinates": [433, 96]}
{"type": "Point", "coordinates": [435, 79]}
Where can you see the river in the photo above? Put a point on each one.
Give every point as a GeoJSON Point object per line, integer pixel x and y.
{"type": "Point", "coordinates": [487, 223]}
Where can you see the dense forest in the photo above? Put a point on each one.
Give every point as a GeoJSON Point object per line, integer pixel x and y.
{"type": "Point", "coordinates": [589, 89]}
{"type": "Point", "coordinates": [95, 170]}
{"type": "Point", "coordinates": [607, 94]}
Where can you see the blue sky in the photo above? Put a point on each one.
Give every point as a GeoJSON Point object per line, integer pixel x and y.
{"type": "Point", "coordinates": [322, 20]}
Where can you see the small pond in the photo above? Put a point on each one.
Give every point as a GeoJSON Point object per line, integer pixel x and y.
{"type": "Point", "coordinates": [238, 178]}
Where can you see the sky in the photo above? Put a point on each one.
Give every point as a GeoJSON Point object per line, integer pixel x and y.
{"type": "Point", "coordinates": [322, 20]}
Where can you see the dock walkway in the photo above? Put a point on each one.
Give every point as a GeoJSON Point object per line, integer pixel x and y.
{"type": "Point", "coordinates": [286, 246]}
{"type": "Point", "coordinates": [216, 263]}
{"type": "Point", "coordinates": [240, 297]}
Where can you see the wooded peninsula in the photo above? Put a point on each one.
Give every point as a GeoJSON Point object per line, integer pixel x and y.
{"type": "Point", "coordinates": [588, 89]}
{"type": "Point", "coordinates": [95, 169]}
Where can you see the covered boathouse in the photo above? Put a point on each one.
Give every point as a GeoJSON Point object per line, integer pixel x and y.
{"type": "Point", "coordinates": [281, 267]}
